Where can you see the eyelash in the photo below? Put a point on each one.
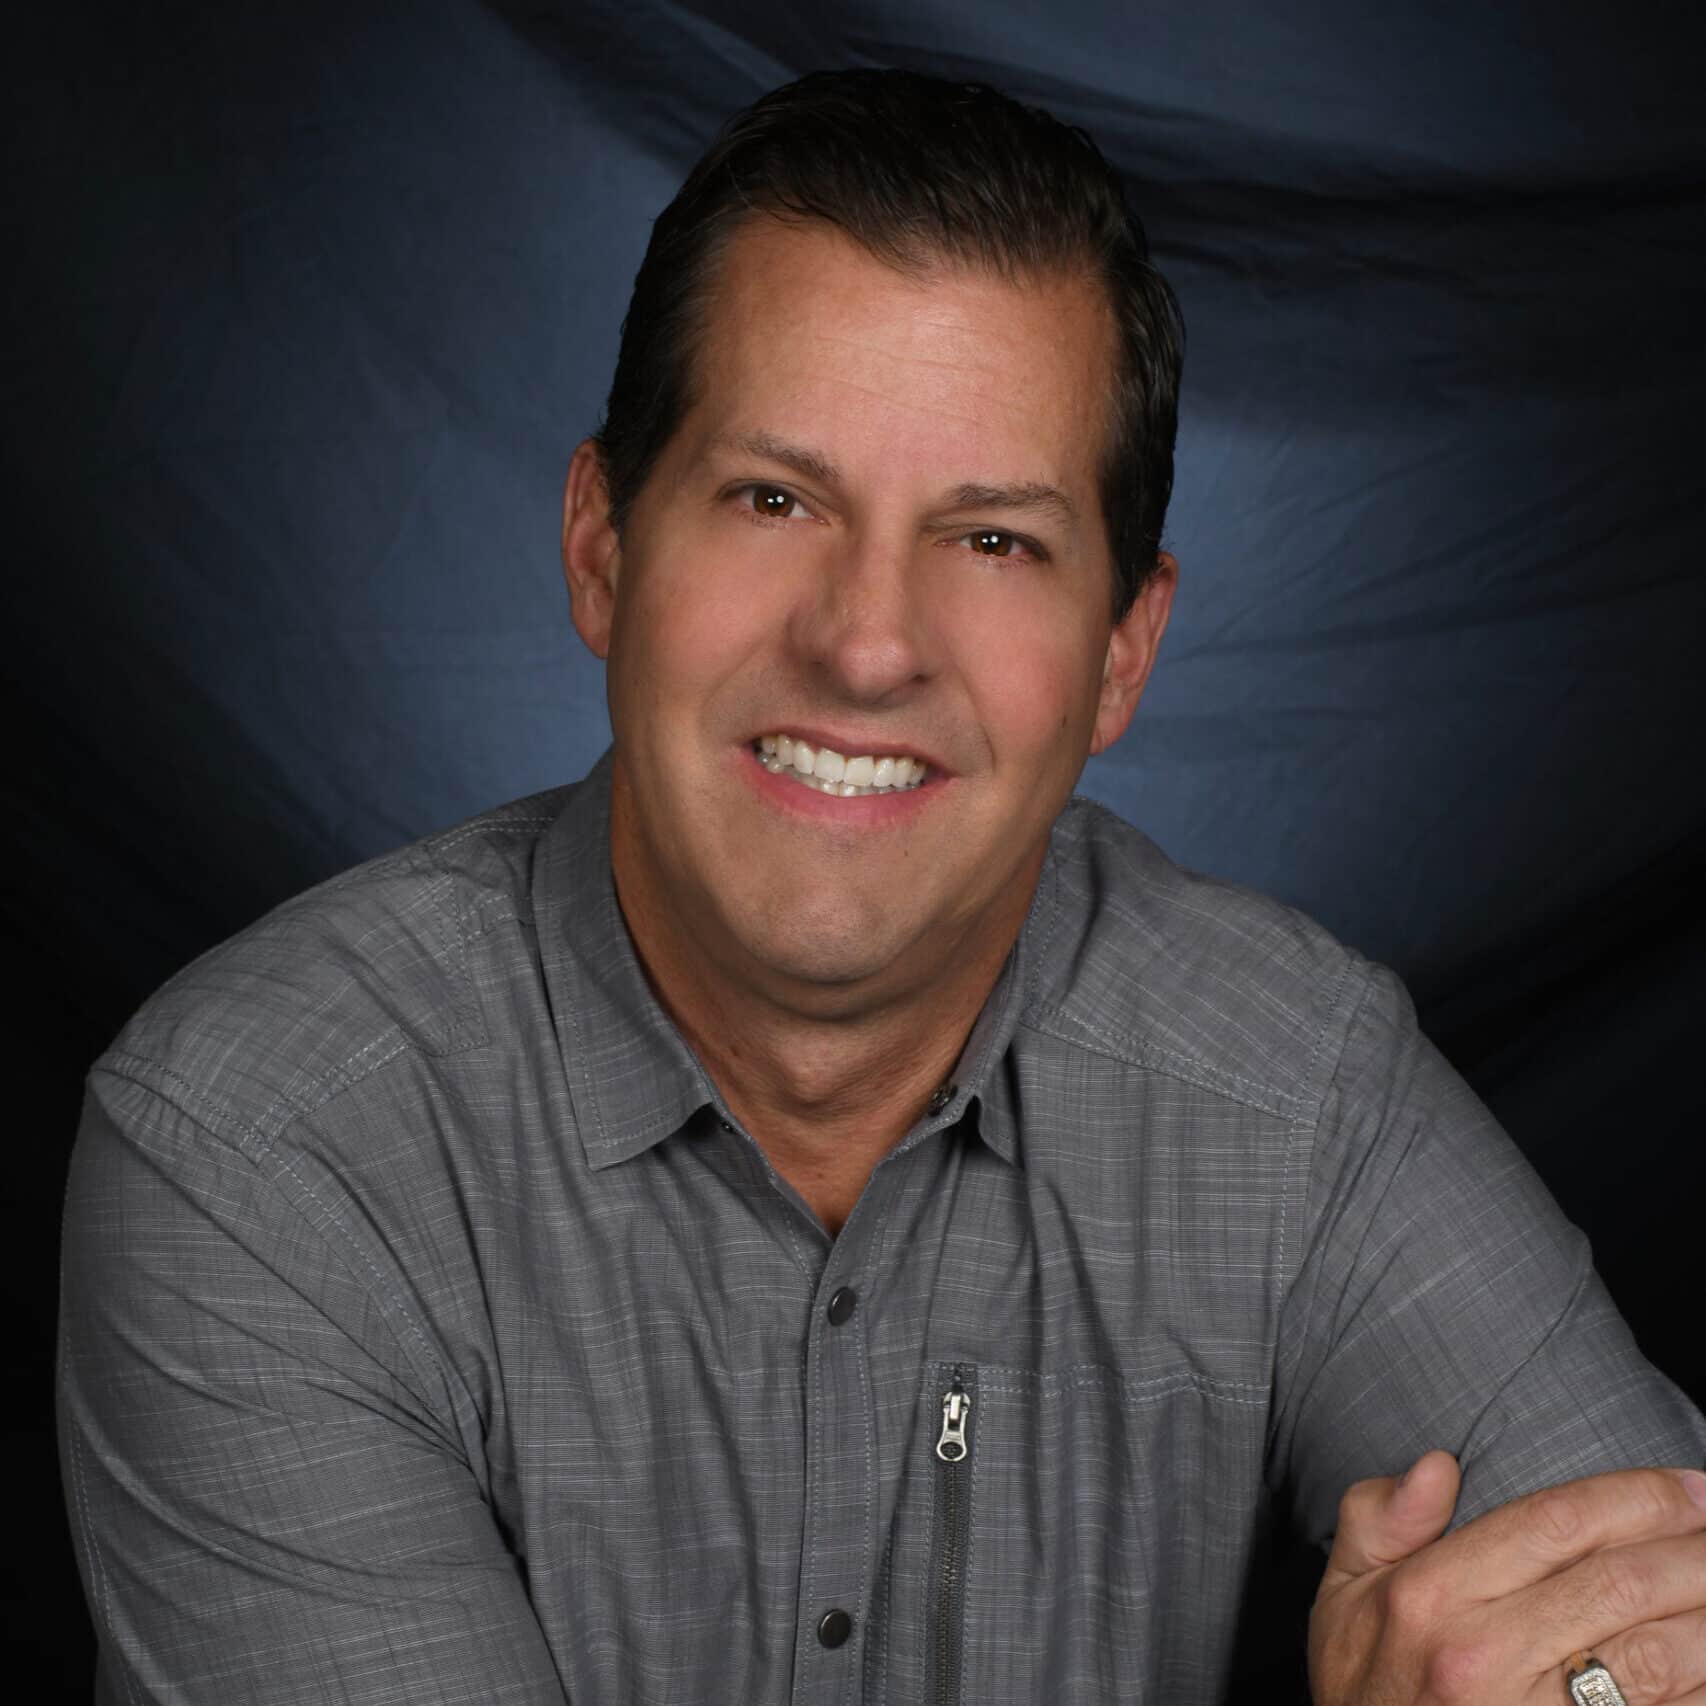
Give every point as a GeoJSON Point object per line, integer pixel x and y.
{"type": "Point", "coordinates": [752, 488]}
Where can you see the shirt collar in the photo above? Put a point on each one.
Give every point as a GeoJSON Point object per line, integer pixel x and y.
{"type": "Point", "coordinates": [632, 1076]}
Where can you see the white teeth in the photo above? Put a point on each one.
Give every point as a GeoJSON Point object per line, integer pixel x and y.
{"type": "Point", "coordinates": [831, 773]}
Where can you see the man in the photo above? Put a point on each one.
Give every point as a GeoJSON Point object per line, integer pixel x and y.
{"type": "Point", "coordinates": [812, 1212]}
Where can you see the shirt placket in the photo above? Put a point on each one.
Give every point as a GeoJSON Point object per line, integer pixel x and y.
{"type": "Point", "coordinates": [839, 1532]}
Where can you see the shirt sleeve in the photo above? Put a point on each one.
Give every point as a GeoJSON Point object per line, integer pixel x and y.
{"type": "Point", "coordinates": [1442, 1299]}
{"type": "Point", "coordinates": [266, 1502]}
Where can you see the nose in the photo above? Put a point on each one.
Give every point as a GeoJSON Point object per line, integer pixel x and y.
{"type": "Point", "coordinates": [862, 628]}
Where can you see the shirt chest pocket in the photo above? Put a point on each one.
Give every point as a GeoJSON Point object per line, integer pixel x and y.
{"type": "Point", "coordinates": [1076, 1536]}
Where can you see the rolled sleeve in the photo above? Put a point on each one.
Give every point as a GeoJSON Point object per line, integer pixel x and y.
{"type": "Point", "coordinates": [264, 1503]}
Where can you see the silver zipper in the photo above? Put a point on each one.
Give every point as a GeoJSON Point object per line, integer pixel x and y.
{"type": "Point", "coordinates": [956, 1406]}
{"type": "Point", "coordinates": [953, 1506]}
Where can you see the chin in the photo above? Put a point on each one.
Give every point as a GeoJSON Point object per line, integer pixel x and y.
{"type": "Point", "coordinates": [810, 953]}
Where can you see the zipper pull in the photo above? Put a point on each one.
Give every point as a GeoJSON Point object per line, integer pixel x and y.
{"type": "Point", "coordinates": [956, 1406]}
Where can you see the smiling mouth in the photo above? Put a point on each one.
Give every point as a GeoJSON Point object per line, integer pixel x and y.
{"type": "Point", "coordinates": [830, 772]}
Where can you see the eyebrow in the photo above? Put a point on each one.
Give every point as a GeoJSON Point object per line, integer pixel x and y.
{"type": "Point", "coordinates": [1029, 495]}
{"type": "Point", "coordinates": [807, 463]}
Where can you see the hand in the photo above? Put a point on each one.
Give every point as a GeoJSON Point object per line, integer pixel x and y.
{"type": "Point", "coordinates": [1614, 1565]}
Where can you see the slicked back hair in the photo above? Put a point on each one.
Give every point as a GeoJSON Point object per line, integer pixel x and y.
{"type": "Point", "coordinates": [919, 172]}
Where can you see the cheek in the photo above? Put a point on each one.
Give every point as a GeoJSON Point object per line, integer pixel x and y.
{"type": "Point", "coordinates": [688, 617]}
{"type": "Point", "coordinates": [1033, 665]}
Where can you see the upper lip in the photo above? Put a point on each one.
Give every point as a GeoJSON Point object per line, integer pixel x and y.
{"type": "Point", "coordinates": [855, 746]}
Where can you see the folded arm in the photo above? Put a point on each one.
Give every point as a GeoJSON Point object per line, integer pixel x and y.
{"type": "Point", "coordinates": [267, 1500]}
{"type": "Point", "coordinates": [1443, 1304]}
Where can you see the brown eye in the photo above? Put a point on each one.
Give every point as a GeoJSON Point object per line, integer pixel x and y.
{"type": "Point", "coordinates": [771, 500]}
{"type": "Point", "coordinates": [989, 543]}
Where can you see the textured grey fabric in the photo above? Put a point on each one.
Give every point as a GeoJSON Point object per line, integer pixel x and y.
{"type": "Point", "coordinates": [431, 1336]}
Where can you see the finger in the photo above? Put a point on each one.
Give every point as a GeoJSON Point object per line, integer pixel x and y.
{"type": "Point", "coordinates": [1384, 1520]}
{"type": "Point", "coordinates": [1613, 1597]}
{"type": "Point", "coordinates": [1536, 1536]}
{"type": "Point", "coordinates": [1658, 1664]}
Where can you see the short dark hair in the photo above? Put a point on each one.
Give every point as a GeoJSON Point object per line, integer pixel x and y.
{"type": "Point", "coordinates": [916, 170]}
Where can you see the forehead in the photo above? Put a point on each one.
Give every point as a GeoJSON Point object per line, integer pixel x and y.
{"type": "Point", "coordinates": [950, 370]}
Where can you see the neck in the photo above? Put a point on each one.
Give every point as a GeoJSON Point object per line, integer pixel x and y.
{"type": "Point", "coordinates": [825, 1099]}
{"type": "Point", "coordinates": [826, 1090]}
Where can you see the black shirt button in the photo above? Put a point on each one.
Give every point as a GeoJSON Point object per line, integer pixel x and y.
{"type": "Point", "coordinates": [942, 1098]}
{"type": "Point", "coordinates": [842, 1305]}
{"type": "Point", "coordinates": [834, 1627]}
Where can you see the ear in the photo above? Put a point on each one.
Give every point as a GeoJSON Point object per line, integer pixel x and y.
{"type": "Point", "coordinates": [592, 554]}
{"type": "Point", "coordinates": [1131, 653]}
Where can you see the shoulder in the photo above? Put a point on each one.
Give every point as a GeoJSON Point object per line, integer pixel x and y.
{"type": "Point", "coordinates": [330, 985]}
{"type": "Point", "coordinates": [1163, 966]}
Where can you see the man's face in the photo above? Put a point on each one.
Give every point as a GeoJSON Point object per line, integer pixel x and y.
{"type": "Point", "coordinates": [876, 531]}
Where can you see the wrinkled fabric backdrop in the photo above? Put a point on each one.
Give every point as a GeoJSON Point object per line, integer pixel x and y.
{"type": "Point", "coordinates": [310, 304]}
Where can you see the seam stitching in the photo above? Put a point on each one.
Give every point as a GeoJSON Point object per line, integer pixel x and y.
{"type": "Point", "coordinates": [1092, 1376]}
{"type": "Point", "coordinates": [511, 826]}
{"type": "Point", "coordinates": [351, 1244]}
{"type": "Point", "coordinates": [1294, 1131]}
{"type": "Point", "coordinates": [333, 1082]}
{"type": "Point", "coordinates": [1262, 1097]}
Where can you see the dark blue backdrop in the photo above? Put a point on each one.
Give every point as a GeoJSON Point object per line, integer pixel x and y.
{"type": "Point", "coordinates": [310, 304]}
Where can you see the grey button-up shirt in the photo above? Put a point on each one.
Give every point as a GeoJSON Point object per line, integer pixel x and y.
{"type": "Point", "coordinates": [433, 1334]}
